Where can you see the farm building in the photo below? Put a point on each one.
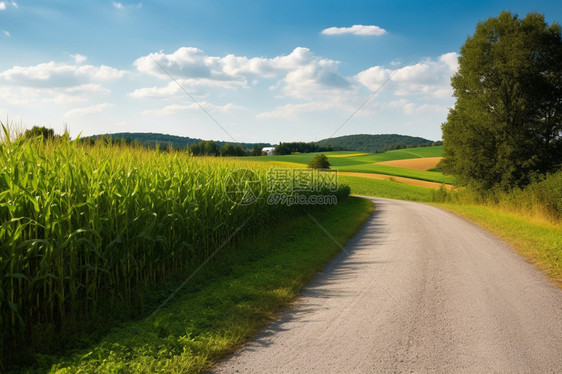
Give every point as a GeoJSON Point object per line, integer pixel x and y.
{"type": "Point", "coordinates": [267, 151]}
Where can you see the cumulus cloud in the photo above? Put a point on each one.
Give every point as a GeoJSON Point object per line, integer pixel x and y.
{"type": "Point", "coordinates": [178, 108]}
{"type": "Point", "coordinates": [80, 112]}
{"type": "Point", "coordinates": [430, 77]}
{"type": "Point", "coordinates": [299, 73]}
{"type": "Point", "coordinates": [59, 83]}
{"type": "Point", "coordinates": [117, 5]}
{"type": "Point", "coordinates": [2, 5]}
{"type": "Point", "coordinates": [370, 30]}
{"type": "Point", "coordinates": [52, 74]}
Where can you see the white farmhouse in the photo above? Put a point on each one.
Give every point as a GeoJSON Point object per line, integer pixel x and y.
{"type": "Point", "coordinates": [267, 151]}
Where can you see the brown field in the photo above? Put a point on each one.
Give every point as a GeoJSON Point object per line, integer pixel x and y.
{"type": "Point", "coordinates": [411, 181]}
{"type": "Point", "coordinates": [425, 163]}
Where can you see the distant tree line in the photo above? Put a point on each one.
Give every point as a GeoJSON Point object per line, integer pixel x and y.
{"type": "Point", "coordinates": [405, 146]}
{"type": "Point", "coordinates": [301, 147]}
{"type": "Point", "coordinates": [211, 148]}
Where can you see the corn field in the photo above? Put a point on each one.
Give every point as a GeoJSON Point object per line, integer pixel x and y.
{"type": "Point", "coordinates": [82, 226]}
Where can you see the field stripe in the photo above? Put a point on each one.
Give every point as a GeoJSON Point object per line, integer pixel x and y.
{"type": "Point", "coordinates": [410, 181]}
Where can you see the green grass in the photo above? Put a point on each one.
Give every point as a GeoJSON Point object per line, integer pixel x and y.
{"type": "Point", "coordinates": [538, 241]}
{"type": "Point", "coordinates": [388, 189]}
{"type": "Point", "coordinates": [368, 158]}
{"type": "Point", "coordinates": [430, 176]}
{"type": "Point", "coordinates": [235, 296]}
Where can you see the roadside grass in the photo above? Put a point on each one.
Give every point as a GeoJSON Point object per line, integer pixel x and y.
{"type": "Point", "coordinates": [226, 304]}
{"type": "Point", "coordinates": [387, 189]}
{"type": "Point", "coordinates": [538, 241]}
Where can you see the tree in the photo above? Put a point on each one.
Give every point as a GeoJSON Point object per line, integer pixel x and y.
{"type": "Point", "coordinates": [36, 131]}
{"type": "Point", "coordinates": [256, 149]}
{"type": "Point", "coordinates": [319, 162]}
{"type": "Point", "coordinates": [505, 127]}
{"type": "Point", "coordinates": [210, 147]}
{"type": "Point", "coordinates": [227, 150]}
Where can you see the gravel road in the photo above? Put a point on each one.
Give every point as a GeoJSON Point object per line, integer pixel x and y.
{"type": "Point", "coordinates": [417, 290]}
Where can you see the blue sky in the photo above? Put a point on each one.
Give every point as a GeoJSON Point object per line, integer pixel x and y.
{"type": "Point", "coordinates": [265, 70]}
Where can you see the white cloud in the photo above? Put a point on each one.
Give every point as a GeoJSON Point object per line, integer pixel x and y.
{"type": "Point", "coordinates": [170, 90]}
{"type": "Point", "coordinates": [178, 108]}
{"type": "Point", "coordinates": [78, 58]}
{"type": "Point", "coordinates": [52, 74]}
{"type": "Point", "coordinates": [79, 112]}
{"type": "Point", "coordinates": [2, 5]}
{"type": "Point", "coordinates": [58, 83]}
{"type": "Point", "coordinates": [117, 5]}
{"type": "Point", "coordinates": [429, 77]}
{"type": "Point", "coordinates": [451, 59]}
{"type": "Point", "coordinates": [7, 33]}
{"type": "Point", "coordinates": [299, 73]}
{"type": "Point", "coordinates": [14, 4]}
{"type": "Point", "coordinates": [370, 30]}
{"type": "Point", "coordinates": [413, 108]}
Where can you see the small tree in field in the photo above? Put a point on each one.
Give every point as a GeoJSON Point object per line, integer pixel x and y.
{"type": "Point", "coordinates": [319, 162]}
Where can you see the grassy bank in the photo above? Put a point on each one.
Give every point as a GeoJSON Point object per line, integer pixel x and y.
{"type": "Point", "coordinates": [227, 303]}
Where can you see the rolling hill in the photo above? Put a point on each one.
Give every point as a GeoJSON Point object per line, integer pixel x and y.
{"type": "Point", "coordinates": [164, 140]}
{"type": "Point", "coordinates": [376, 143]}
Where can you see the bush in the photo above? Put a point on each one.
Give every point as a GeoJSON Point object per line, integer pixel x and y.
{"type": "Point", "coordinates": [319, 162]}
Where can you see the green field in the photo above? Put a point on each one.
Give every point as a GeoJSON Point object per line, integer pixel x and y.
{"type": "Point", "coordinates": [401, 154]}
{"type": "Point", "coordinates": [388, 189]}
{"type": "Point", "coordinates": [365, 163]}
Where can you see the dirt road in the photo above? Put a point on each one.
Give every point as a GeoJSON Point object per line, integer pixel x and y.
{"type": "Point", "coordinates": [417, 290]}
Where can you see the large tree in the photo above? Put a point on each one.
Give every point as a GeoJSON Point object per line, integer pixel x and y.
{"type": "Point", "coordinates": [506, 125]}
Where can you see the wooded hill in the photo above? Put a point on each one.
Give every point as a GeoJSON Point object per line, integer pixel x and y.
{"type": "Point", "coordinates": [376, 143]}
{"type": "Point", "coordinates": [164, 140]}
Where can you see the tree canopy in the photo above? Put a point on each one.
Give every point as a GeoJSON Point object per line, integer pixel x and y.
{"type": "Point", "coordinates": [505, 127]}
{"type": "Point", "coordinates": [319, 162]}
{"type": "Point", "coordinates": [46, 133]}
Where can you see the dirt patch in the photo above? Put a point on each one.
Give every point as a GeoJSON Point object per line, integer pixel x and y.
{"type": "Point", "coordinates": [425, 163]}
{"type": "Point", "coordinates": [411, 181]}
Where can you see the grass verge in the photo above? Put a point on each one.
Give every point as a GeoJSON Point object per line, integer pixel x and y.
{"type": "Point", "coordinates": [537, 241]}
{"type": "Point", "coordinates": [226, 304]}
